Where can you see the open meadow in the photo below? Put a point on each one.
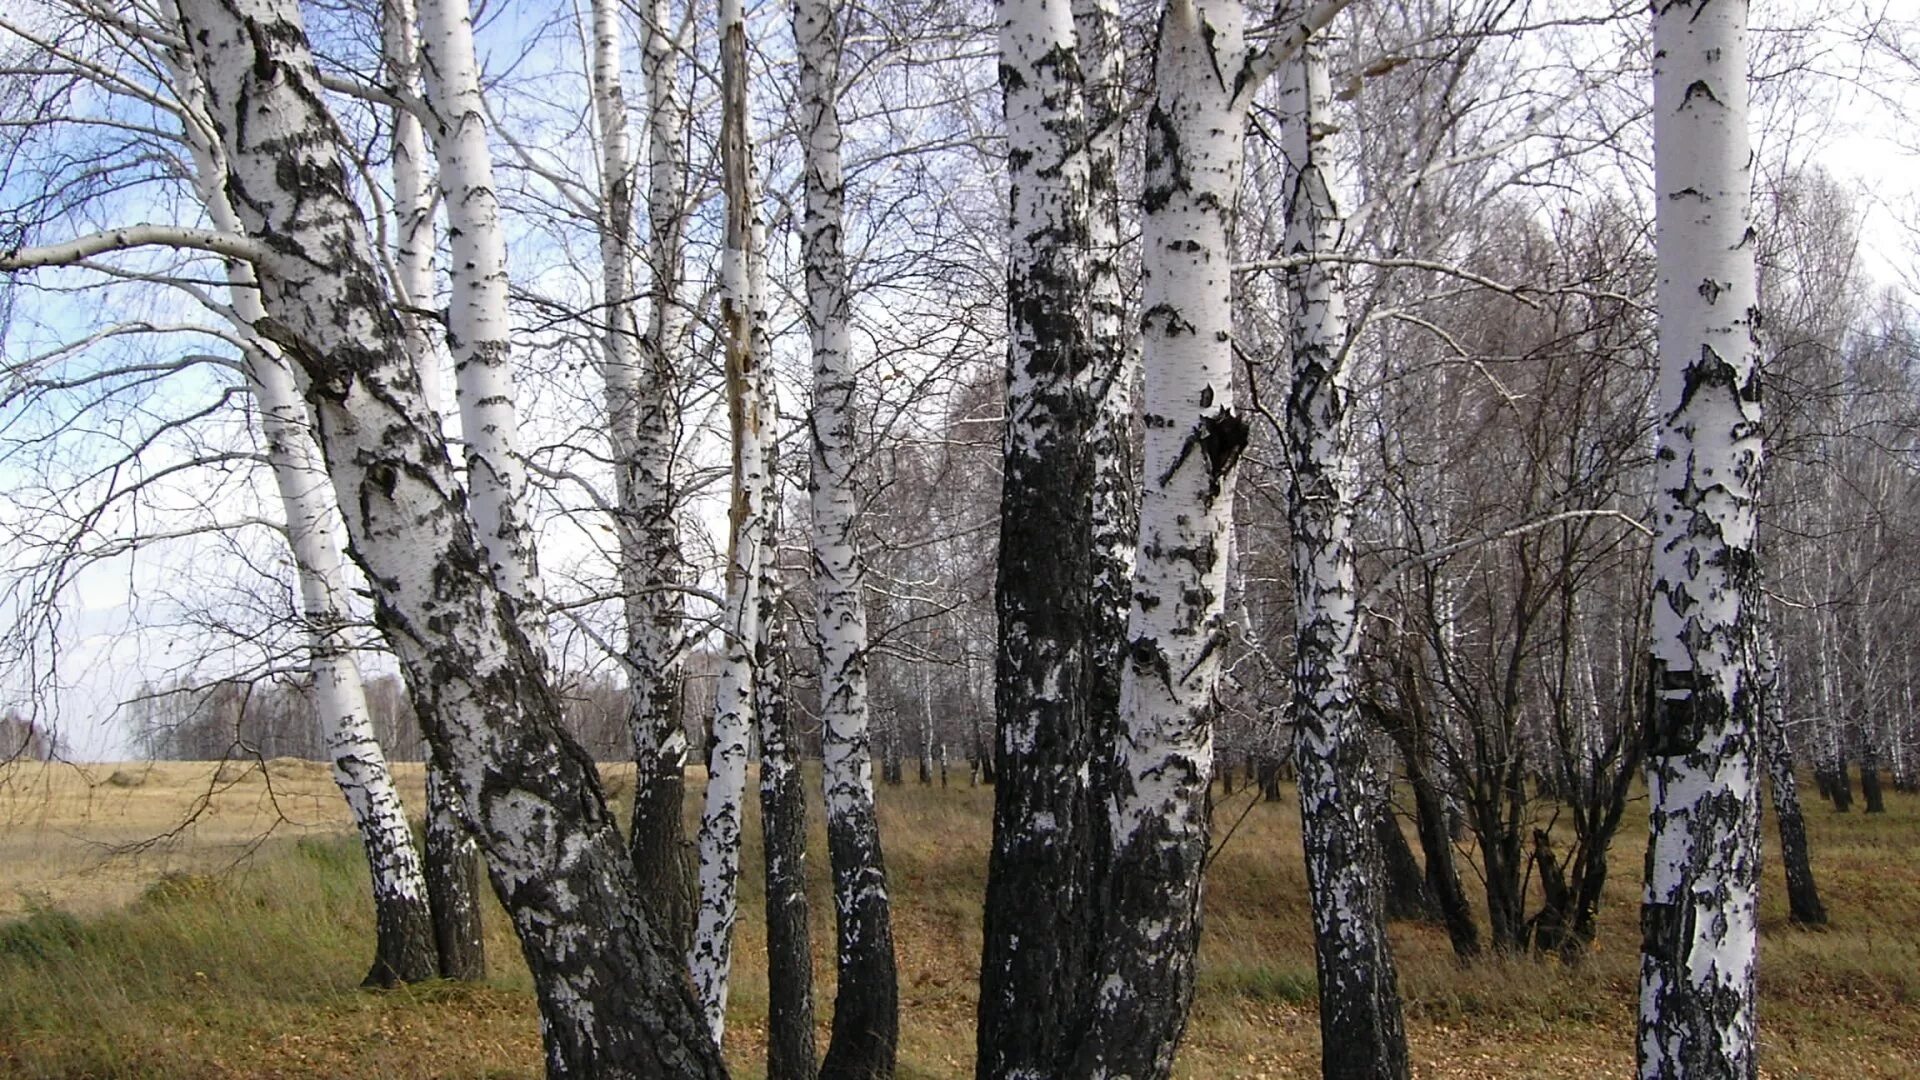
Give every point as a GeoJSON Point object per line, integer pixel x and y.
{"type": "Point", "coordinates": [231, 946]}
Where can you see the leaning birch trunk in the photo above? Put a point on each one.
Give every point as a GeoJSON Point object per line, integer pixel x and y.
{"type": "Point", "coordinates": [478, 320]}
{"type": "Point", "coordinates": [1698, 917]}
{"type": "Point", "coordinates": [1361, 1031]}
{"type": "Point", "coordinates": [1803, 892]}
{"type": "Point", "coordinates": [743, 326]}
{"type": "Point", "coordinates": [866, 1003]}
{"type": "Point", "coordinates": [612, 1001]}
{"type": "Point", "coordinates": [783, 826]}
{"type": "Point", "coordinates": [453, 858]}
{"type": "Point", "coordinates": [654, 612]}
{"type": "Point", "coordinates": [404, 949]}
{"type": "Point", "coordinates": [1143, 981]}
{"type": "Point", "coordinates": [1035, 956]}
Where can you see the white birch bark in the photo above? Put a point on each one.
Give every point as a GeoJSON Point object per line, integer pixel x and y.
{"type": "Point", "coordinates": [1698, 913]}
{"type": "Point", "coordinates": [1204, 78]}
{"type": "Point", "coordinates": [478, 319]}
{"type": "Point", "coordinates": [1362, 1034]}
{"type": "Point", "coordinates": [413, 233]}
{"type": "Point", "coordinates": [743, 319]}
{"type": "Point", "coordinates": [612, 1004]}
{"type": "Point", "coordinates": [406, 951]}
{"type": "Point", "coordinates": [865, 1017]}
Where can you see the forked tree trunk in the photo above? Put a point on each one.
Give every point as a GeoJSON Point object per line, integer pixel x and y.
{"type": "Point", "coordinates": [1698, 913]}
{"type": "Point", "coordinates": [612, 1001]}
{"type": "Point", "coordinates": [1142, 979]}
{"type": "Point", "coordinates": [749, 407]}
{"type": "Point", "coordinates": [654, 613]}
{"type": "Point", "coordinates": [404, 948]}
{"type": "Point", "coordinates": [1361, 1031]}
{"type": "Point", "coordinates": [1035, 954]}
{"type": "Point", "coordinates": [865, 1030]}
{"type": "Point", "coordinates": [637, 397]}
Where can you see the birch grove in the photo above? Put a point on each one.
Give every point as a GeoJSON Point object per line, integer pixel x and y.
{"type": "Point", "coordinates": [1362, 398]}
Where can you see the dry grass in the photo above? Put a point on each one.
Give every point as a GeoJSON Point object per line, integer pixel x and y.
{"type": "Point", "coordinates": [110, 969]}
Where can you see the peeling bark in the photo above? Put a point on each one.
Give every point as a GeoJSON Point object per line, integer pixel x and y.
{"type": "Point", "coordinates": [1698, 911]}
{"type": "Point", "coordinates": [749, 406]}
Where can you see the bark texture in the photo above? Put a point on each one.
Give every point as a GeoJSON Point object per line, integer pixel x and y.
{"type": "Point", "coordinates": [1698, 916]}
{"type": "Point", "coordinates": [783, 822]}
{"type": "Point", "coordinates": [749, 403]}
{"type": "Point", "coordinates": [478, 320]}
{"type": "Point", "coordinates": [1034, 963]}
{"type": "Point", "coordinates": [612, 1002]}
{"type": "Point", "coordinates": [453, 884]}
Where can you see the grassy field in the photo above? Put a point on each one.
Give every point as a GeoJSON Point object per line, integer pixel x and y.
{"type": "Point", "coordinates": [232, 949]}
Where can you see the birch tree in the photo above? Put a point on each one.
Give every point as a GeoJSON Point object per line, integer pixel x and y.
{"type": "Point", "coordinates": [866, 1004]}
{"type": "Point", "coordinates": [453, 859]}
{"type": "Point", "coordinates": [649, 503]}
{"type": "Point", "coordinates": [1038, 876]}
{"type": "Point", "coordinates": [478, 320]}
{"type": "Point", "coordinates": [743, 319]}
{"type": "Point", "coordinates": [610, 997]}
{"type": "Point", "coordinates": [1361, 1032]}
{"type": "Point", "coordinates": [1698, 911]}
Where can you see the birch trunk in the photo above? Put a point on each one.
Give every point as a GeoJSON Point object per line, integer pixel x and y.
{"type": "Point", "coordinates": [453, 883]}
{"type": "Point", "coordinates": [658, 832]}
{"type": "Point", "coordinates": [1803, 892]}
{"type": "Point", "coordinates": [1115, 367]}
{"type": "Point", "coordinates": [743, 321]}
{"type": "Point", "coordinates": [611, 1000]}
{"type": "Point", "coordinates": [1361, 1032]}
{"type": "Point", "coordinates": [865, 1029]}
{"type": "Point", "coordinates": [453, 858]}
{"type": "Point", "coordinates": [638, 401]}
{"type": "Point", "coordinates": [1143, 983]}
{"type": "Point", "coordinates": [404, 949]}
{"type": "Point", "coordinates": [1035, 961]}
{"type": "Point", "coordinates": [478, 320]}
{"type": "Point", "coordinates": [783, 824]}
{"type": "Point", "coordinates": [1698, 918]}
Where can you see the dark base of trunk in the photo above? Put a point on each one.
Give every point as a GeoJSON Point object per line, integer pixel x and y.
{"type": "Point", "coordinates": [783, 816]}
{"type": "Point", "coordinates": [1870, 788]}
{"type": "Point", "coordinates": [453, 889]}
{"type": "Point", "coordinates": [406, 951]}
{"type": "Point", "coordinates": [866, 1006]}
{"type": "Point", "coordinates": [1407, 894]}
